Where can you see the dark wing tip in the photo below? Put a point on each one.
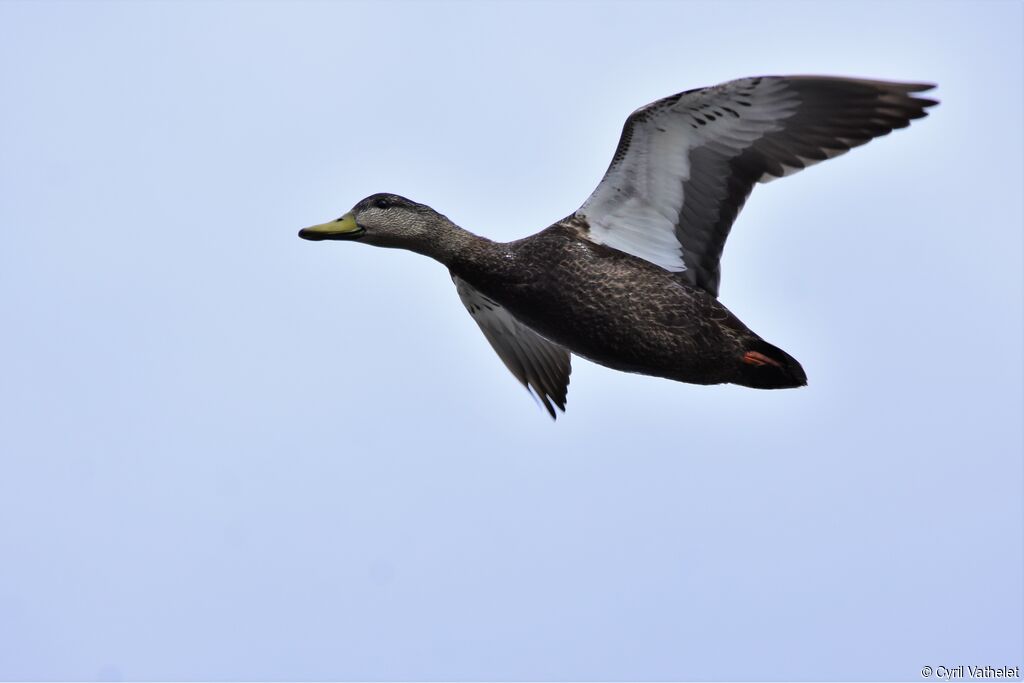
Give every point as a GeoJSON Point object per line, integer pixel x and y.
{"type": "Point", "coordinates": [556, 393]}
{"type": "Point", "coordinates": [921, 102]}
{"type": "Point", "coordinates": [917, 87]}
{"type": "Point", "coordinates": [546, 399]}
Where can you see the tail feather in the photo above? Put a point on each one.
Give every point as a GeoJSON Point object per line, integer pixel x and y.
{"type": "Point", "coordinates": [765, 366]}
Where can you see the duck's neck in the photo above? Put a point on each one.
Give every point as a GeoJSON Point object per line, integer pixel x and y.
{"type": "Point", "coordinates": [454, 246]}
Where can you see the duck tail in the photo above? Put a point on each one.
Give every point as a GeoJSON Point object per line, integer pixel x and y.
{"type": "Point", "coordinates": [764, 366]}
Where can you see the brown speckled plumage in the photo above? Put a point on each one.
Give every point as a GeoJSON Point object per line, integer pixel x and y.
{"type": "Point", "coordinates": [610, 307]}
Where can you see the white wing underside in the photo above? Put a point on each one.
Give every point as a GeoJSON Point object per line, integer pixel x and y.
{"type": "Point", "coordinates": [636, 207]}
{"type": "Point", "coordinates": [540, 365]}
{"type": "Point", "coordinates": [686, 164]}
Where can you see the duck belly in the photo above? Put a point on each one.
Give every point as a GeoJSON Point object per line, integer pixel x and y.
{"type": "Point", "coordinates": [674, 334]}
{"type": "Point", "coordinates": [656, 326]}
{"type": "Point", "coordinates": [627, 314]}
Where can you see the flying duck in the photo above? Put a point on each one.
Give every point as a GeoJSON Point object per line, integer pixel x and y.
{"type": "Point", "coordinates": [630, 280]}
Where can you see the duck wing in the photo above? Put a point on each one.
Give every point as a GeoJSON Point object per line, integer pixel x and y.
{"type": "Point", "coordinates": [541, 366]}
{"type": "Point", "coordinates": [686, 164]}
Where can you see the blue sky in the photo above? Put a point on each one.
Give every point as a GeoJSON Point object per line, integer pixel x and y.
{"type": "Point", "coordinates": [228, 453]}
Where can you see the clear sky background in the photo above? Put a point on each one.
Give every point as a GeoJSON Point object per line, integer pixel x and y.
{"type": "Point", "coordinates": [229, 453]}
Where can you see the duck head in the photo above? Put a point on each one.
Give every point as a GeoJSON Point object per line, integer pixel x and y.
{"type": "Point", "coordinates": [384, 220]}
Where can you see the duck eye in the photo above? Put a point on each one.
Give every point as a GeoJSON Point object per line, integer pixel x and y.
{"type": "Point", "coordinates": [382, 204]}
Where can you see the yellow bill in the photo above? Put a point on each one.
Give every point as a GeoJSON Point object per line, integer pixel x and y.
{"type": "Point", "coordinates": [344, 228]}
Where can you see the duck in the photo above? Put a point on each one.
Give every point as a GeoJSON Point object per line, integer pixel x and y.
{"type": "Point", "coordinates": [630, 280]}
